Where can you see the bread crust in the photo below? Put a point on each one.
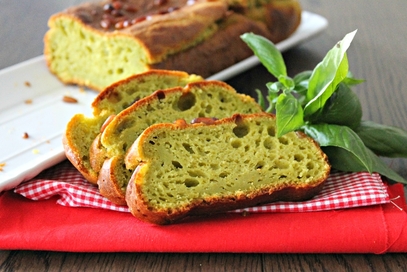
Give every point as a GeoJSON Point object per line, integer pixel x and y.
{"type": "Point", "coordinates": [107, 182]}
{"type": "Point", "coordinates": [215, 54]}
{"type": "Point", "coordinates": [142, 209]}
{"type": "Point", "coordinates": [206, 35]}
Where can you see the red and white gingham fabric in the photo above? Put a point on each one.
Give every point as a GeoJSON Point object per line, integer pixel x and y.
{"type": "Point", "coordinates": [342, 190]}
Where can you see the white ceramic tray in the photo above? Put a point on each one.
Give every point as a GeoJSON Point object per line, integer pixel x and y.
{"type": "Point", "coordinates": [32, 103]}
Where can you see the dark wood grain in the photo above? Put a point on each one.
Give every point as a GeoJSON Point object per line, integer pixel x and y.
{"type": "Point", "coordinates": [378, 55]}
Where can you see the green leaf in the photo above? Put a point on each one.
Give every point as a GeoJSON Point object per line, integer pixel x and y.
{"type": "Point", "coordinates": [342, 108]}
{"type": "Point", "coordinates": [267, 53]}
{"type": "Point", "coordinates": [327, 75]}
{"type": "Point", "coordinates": [287, 82]}
{"type": "Point", "coordinates": [303, 76]}
{"type": "Point", "coordinates": [289, 114]}
{"type": "Point", "coordinates": [383, 140]}
{"type": "Point", "coordinates": [260, 99]}
{"type": "Point", "coordinates": [343, 160]}
{"type": "Point", "coordinates": [341, 137]}
{"type": "Point", "coordinates": [351, 81]}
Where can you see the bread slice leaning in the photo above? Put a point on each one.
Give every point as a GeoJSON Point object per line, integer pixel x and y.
{"type": "Point", "coordinates": [81, 130]}
{"type": "Point", "coordinates": [236, 162]}
{"type": "Point", "coordinates": [198, 99]}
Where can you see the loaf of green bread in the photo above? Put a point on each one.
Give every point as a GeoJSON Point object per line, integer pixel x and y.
{"type": "Point", "coordinates": [204, 168]}
{"type": "Point", "coordinates": [198, 99]}
{"type": "Point", "coordinates": [98, 43]}
{"type": "Point", "coordinates": [81, 130]}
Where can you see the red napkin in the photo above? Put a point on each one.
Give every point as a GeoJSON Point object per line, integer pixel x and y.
{"type": "Point", "coordinates": [43, 225]}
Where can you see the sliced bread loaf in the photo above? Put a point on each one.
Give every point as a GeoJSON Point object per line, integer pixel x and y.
{"type": "Point", "coordinates": [200, 169]}
{"type": "Point", "coordinates": [197, 99]}
{"type": "Point", "coordinates": [98, 43]}
{"type": "Point", "coordinates": [82, 130]}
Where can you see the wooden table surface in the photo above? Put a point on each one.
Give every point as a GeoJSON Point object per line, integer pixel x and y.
{"type": "Point", "coordinates": [378, 54]}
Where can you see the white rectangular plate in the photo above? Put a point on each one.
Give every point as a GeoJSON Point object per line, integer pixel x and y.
{"type": "Point", "coordinates": [32, 103]}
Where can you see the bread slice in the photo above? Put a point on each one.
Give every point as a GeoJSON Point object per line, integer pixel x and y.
{"type": "Point", "coordinates": [198, 99]}
{"type": "Point", "coordinates": [236, 162]}
{"type": "Point", "coordinates": [96, 44]}
{"type": "Point", "coordinates": [81, 130]}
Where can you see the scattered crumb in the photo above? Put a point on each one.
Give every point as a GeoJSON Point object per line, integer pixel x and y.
{"type": "Point", "coordinates": [27, 83]}
{"type": "Point", "coordinates": [245, 213]}
{"type": "Point", "coordinates": [35, 151]}
{"type": "Point", "coordinates": [2, 164]}
{"type": "Point", "coordinates": [25, 135]}
{"type": "Point", "coordinates": [81, 89]}
{"type": "Point", "coordinates": [28, 101]}
{"type": "Point", "coordinates": [69, 99]}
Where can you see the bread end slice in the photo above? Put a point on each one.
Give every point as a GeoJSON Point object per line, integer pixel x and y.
{"type": "Point", "coordinates": [186, 170]}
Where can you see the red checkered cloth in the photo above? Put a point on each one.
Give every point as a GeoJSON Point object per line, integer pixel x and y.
{"type": "Point", "coordinates": [342, 190]}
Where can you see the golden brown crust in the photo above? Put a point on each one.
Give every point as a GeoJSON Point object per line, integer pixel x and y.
{"type": "Point", "coordinates": [207, 40]}
{"type": "Point", "coordinates": [112, 93]}
{"type": "Point", "coordinates": [73, 154]}
{"type": "Point", "coordinates": [282, 19]}
{"type": "Point", "coordinates": [108, 186]}
{"type": "Point", "coordinates": [97, 155]}
{"type": "Point", "coordinates": [215, 54]}
{"type": "Point", "coordinates": [203, 208]}
{"type": "Point", "coordinates": [142, 210]}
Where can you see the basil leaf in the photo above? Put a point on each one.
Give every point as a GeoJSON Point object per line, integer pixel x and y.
{"type": "Point", "coordinates": [342, 137]}
{"type": "Point", "coordinates": [350, 81]}
{"type": "Point", "coordinates": [301, 82]}
{"type": "Point", "coordinates": [287, 82]}
{"type": "Point", "coordinates": [327, 74]}
{"type": "Point", "coordinates": [267, 53]}
{"type": "Point", "coordinates": [383, 140]}
{"type": "Point", "coordinates": [343, 160]}
{"type": "Point", "coordinates": [303, 76]}
{"type": "Point", "coordinates": [342, 108]}
{"type": "Point", "coordinates": [289, 114]}
{"type": "Point", "coordinates": [260, 99]}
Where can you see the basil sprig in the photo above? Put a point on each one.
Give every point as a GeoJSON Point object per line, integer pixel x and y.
{"type": "Point", "coordinates": [321, 104]}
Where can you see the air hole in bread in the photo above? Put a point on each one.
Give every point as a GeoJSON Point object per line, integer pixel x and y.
{"type": "Point", "coordinates": [236, 143]}
{"type": "Point", "coordinates": [177, 164]}
{"type": "Point", "coordinates": [191, 183]}
{"type": "Point", "coordinates": [160, 95]}
{"type": "Point", "coordinates": [283, 140]}
{"type": "Point", "coordinates": [268, 143]}
{"type": "Point", "coordinates": [115, 97]}
{"type": "Point", "coordinates": [310, 165]}
{"type": "Point", "coordinates": [188, 148]}
{"type": "Point", "coordinates": [271, 131]}
{"type": "Point", "coordinates": [186, 101]}
{"type": "Point", "coordinates": [222, 98]}
{"type": "Point", "coordinates": [223, 174]}
{"type": "Point", "coordinates": [298, 157]}
{"type": "Point", "coordinates": [241, 130]}
{"type": "Point", "coordinates": [259, 165]}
